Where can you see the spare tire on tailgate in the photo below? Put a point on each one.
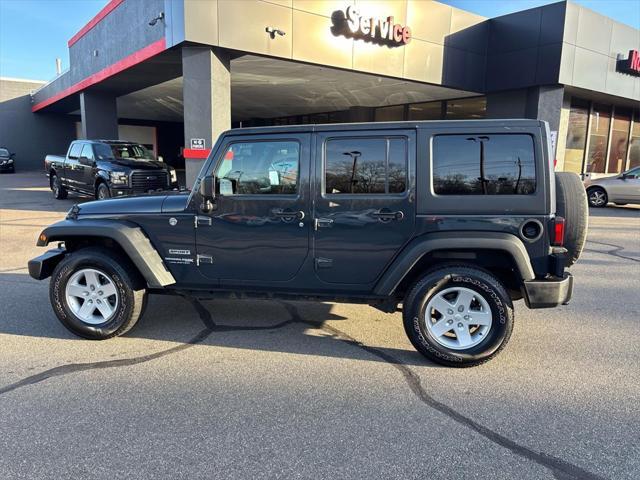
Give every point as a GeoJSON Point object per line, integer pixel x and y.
{"type": "Point", "coordinates": [571, 204]}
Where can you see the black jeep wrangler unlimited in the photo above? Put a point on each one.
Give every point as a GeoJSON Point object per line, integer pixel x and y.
{"type": "Point", "coordinates": [451, 222]}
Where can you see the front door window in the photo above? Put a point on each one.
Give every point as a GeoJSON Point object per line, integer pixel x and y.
{"type": "Point", "coordinates": [260, 168]}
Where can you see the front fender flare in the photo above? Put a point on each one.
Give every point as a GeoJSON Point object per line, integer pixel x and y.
{"type": "Point", "coordinates": [128, 235]}
{"type": "Point", "coordinates": [421, 246]}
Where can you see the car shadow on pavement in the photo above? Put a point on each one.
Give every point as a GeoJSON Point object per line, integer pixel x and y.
{"type": "Point", "coordinates": [298, 328]}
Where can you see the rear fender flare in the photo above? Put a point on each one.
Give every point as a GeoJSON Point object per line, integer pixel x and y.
{"type": "Point", "coordinates": [129, 236]}
{"type": "Point", "coordinates": [421, 246]}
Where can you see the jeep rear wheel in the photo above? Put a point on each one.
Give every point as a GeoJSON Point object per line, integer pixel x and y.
{"type": "Point", "coordinates": [459, 316]}
{"type": "Point", "coordinates": [96, 294]}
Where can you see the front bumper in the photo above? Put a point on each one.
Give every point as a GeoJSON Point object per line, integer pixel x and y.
{"type": "Point", "coordinates": [548, 293]}
{"type": "Point", "coordinates": [42, 267]}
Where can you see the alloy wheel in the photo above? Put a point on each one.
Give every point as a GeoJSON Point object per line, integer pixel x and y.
{"type": "Point", "coordinates": [597, 198]}
{"type": "Point", "coordinates": [458, 318]}
{"type": "Point", "coordinates": [92, 296]}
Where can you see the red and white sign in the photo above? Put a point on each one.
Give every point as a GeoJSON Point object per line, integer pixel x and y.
{"type": "Point", "coordinates": [630, 65]}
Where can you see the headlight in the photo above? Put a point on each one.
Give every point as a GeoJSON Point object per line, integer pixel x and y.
{"type": "Point", "coordinates": [172, 174]}
{"type": "Point", "coordinates": [119, 178]}
{"type": "Point", "coordinates": [10, 160]}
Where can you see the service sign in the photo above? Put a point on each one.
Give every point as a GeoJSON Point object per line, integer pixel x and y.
{"type": "Point", "coordinates": [373, 29]}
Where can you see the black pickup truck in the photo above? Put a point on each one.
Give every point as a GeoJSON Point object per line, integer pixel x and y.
{"type": "Point", "coordinates": [449, 222]}
{"type": "Point", "coordinates": [107, 168]}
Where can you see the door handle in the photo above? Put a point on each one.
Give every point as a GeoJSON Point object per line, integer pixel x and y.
{"type": "Point", "coordinates": [322, 223]}
{"type": "Point", "coordinates": [385, 215]}
{"type": "Point", "coordinates": [288, 215]}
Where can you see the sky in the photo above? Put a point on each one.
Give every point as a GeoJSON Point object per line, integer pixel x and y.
{"type": "Point", "coordinates": [33, 33]}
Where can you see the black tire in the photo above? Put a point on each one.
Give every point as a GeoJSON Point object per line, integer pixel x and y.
{"type": "Point", "coordinates": [130, 289]}
{"type": "Point", "coordinates": [572, 205]}
{"type": "Point", "coordinates": [59, 192]}
{"type": "Point", "coordinates": [592, 193]}
{"type": "Point", "coordinates": [102, 191]}
{"type": "Point", "coordinates": [483, 284]}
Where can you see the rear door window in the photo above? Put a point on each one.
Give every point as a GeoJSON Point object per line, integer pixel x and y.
{"type": "Point", "coordinates": [493, 164]}
{"type": "Point", "coordinates": [366, 165]}
{"type": "Point", "coordinates": [74, 153]}
{"type": "Point", "coordinates": [87, 152]}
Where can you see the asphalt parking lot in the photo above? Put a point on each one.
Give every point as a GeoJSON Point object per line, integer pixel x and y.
{"type": "Point", "coordinates": [252, 389]}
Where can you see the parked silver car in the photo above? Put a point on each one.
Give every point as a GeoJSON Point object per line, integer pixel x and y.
{"type": "Point", "coordinates": [620, 189]}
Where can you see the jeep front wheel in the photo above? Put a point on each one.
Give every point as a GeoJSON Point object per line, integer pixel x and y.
{"type": "Point", "coordinates": [96, 294]}
{"type": "Point", "coordinates": [459, 316]}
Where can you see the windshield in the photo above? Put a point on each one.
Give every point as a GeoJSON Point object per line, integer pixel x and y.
{"type": "Point", "coordinates": [129, 150]}
{"type": "Point", "coordinates": [4, 152]}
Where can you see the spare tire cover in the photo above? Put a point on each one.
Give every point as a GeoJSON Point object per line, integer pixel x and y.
{"type": "Point", "coordinates": [571, 204]}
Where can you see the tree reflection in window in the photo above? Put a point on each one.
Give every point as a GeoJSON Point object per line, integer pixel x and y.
{"type": "Point", "coordinates": [366, 165]}
{"type": "Point", "coordinates": [500, 164]}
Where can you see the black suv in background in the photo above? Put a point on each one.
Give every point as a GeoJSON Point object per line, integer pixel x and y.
{"type": "Point", "coordinates": [449, 222]}
{"type": "Point", "coordinates": [7, 161]}
{"type": "Point", "coordinates": [107, 168]}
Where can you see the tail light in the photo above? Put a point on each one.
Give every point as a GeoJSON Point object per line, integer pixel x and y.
{"type": "Point", "coordinates": [558, 232]}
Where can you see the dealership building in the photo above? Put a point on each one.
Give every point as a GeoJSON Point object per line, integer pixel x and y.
{"type": "Point", "coordinates": [173, 74]}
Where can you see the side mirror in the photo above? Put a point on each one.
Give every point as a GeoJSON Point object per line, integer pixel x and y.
{"type": "Point", "coordinates": [85, 161]}
{"type": "Point", "coordinates": [160, 159]}
{"type": "Point", "coordinates": [208, 193]}
{"type": "Point", "coordinates": [207, 187]}
{"type": "Point", "coordinates": [12, 155]}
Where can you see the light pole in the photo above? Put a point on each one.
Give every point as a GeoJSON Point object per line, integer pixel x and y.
{"type": "Point", "coordinates": [483, 180]}
{"type": "Point", "coordinates": [354, 156]}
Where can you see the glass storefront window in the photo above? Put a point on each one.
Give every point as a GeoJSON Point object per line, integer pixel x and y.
{"type": "Point", "coordinates": [466, 108]}
{"type": "Point", "coordinates": [389, 114]}
{"type": "Point", "coordinates": [634, 149]}
{"type": "Point", "coordinates": [576, 135]}
{"type": "Point", "coordinates": [425, 111]}
{"type": "Point", "coordinates": [600, 121]}
{"type": "Point", "coordinates": [619, 140]}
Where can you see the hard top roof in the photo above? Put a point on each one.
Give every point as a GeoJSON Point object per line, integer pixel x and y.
{"type": "Point", "coordinates": [417, 124]}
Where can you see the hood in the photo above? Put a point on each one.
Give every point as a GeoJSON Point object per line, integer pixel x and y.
{"type": "Point", "coordinates": [148, 203]}
{"type": "Point", "coordinates": [602, 180]}
{"type": "Point", "coordinates": [139, 164]}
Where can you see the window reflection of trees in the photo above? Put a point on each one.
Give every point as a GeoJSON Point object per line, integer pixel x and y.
{"type": "Point", "coordinates": [509, 167]}
{"type": "Point", "coordinates": [352, 166]}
